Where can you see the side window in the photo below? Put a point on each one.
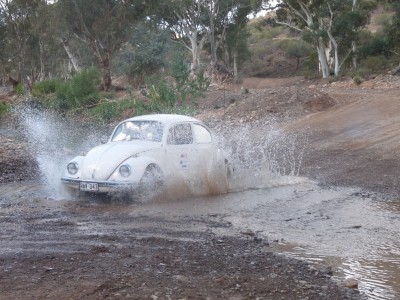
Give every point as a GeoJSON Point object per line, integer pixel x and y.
{"type": "Point", "coordinates": [180, 134]}
{"type": "Point", "coordinates": [203, 136]}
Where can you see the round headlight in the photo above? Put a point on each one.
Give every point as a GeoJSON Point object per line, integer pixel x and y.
{"type": "Point", "coordinates": [125, 170]}
{"type": "Point", "coordinates": [72, 168]}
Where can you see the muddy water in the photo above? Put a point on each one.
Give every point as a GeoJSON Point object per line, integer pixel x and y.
{"type": "Point", "coordinates": [353, 232]}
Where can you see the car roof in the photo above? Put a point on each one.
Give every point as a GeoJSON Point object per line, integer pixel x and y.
{"type": "Point", "coordinates": [164, 118]}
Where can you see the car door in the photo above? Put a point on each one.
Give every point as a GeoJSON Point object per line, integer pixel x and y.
{"type": "Point", "coordinates": [204, 147]}
{"type": "Point", "coordinates": [180, 155]}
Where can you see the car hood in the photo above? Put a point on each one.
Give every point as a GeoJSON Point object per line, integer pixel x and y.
{"type": "Point", "coordinates": [100, 162]}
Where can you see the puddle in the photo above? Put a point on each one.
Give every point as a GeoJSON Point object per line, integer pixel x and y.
{"type": "Point", "coordinates": [339, 227]}
{"type": "Point", "coordinates": [355, 234]}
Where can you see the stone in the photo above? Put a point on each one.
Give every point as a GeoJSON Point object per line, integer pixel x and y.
{"type": "Point", "coordinates": [351, 283]}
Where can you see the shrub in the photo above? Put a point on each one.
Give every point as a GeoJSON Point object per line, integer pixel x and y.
{"type": "Point", "coordinates": [375, 46]}
{"type": "Point", "coordinates": [3, 109]}
{"type": "Point", "coordinates": [375, 63]}
{"type": "Point", "coordinates": [112, 110]}
{"type": "Point", "coordinates": [144, 53]}
{"type": "Point", "coordinates": [161, 92]}
{"type": "Point", "coordinates": [357, 80]}
{"type": "Point", "coordinates": [20, 89]}
{"type": "Point", "coordinates": [80, 91]}
{"type": "Point", "coordinates": [45, 87]}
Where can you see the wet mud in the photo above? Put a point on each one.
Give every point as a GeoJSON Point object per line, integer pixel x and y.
{"type": "Point", "coordinates": [188, 247]}
{"type": "Point", "coordinates": [196, 248]}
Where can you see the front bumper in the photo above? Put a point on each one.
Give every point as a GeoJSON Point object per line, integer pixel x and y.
{"type": "Point", "coordinates": [103, 186]}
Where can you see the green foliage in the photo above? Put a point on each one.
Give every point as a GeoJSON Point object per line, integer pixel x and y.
{"type": "Point", "coordinates": [46, 87]}
{"type": "Point", "coordinates": [179, 90]}
{"type": "Point", "coordinates": [264, 29]}
{"type": "Point", "coordinates": [310, 66]}
{"type": "Point", "coordinates": [20, 89]}
{"type": "Point", "coordinates": [393, 29]}
{"type": "Point", "coordinates": [376, 46]}
{"type": "Point", "coordinates": [296, 49]}
{"type": "Point", "coordinates": [3, 109]}
{"type": "Point", "coordinates": [357, 79]}
{"type": "Point", "coordinates": [80, 91]}
{"type": "Point", "coordinates": [374, 64]}
{"type": "Point", "coordinates": [384, 20]}
{"type": "Point", "coordinates": [177, 94]}
{"type": "Point", "coordinates": [162, 93]}
{"type": "Point", "coordinates": [179, 68]}
{"type": "Point", "coordinates": [144, 53]}
{"type": "Point", "coordinates": [108, 111]}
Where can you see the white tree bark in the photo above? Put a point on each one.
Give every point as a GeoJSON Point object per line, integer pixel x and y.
{"type": "Point", "coordinates": [353, 43]}
{"type": "Point", "coordinates": [323, 61]}
{"type": "Point", "coordinates": [307, 16]}
{"type": "Point", "coordinates": [235, 67]}
{"type": "Point", "coordinates": [190, 27]}
{"type": "Point", "coordinates": [72, 57]}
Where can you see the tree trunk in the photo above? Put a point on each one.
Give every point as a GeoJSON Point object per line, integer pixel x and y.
{"type": "Point", "coordinates": [336, 53]}
{"type": "Point", "coordinates": [42, 73]}
{"type": "Point", "coordinates": [195, 48]}
{"type": "Point", "coordinates": [21, 56]}
{"type": "Point", "coordinates": [354, 58]}
{"type": "Point", "coordinates": [323, 61]}
{"type": "Point", "coordinates": [353, 43]}
{"type": "Point", "coordinates": [106, 81]}
{"type": "Point", "coordinates": [73, 58]}
{"type": "Point", "coordinates": [212, 36]}
{"type": "Point", "coordinates": [195, 59]}
{"type": "Point", "coordinates": [235, 67]}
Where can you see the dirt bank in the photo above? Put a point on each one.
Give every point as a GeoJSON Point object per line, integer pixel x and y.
{"type": "Point", "coordinates": [352, 130]}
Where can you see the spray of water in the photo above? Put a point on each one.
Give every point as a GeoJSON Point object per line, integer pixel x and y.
{"type": "Point", "coordinates": [54, 141]}
{"type": "Point", "coordinates": [262, 154]}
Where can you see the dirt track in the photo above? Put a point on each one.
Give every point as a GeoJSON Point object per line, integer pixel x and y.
{"type": "Point", "coordinates": [93, 250]}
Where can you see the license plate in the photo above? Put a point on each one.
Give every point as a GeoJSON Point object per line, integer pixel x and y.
{"type": "Point", "coordinates": [89, 186]}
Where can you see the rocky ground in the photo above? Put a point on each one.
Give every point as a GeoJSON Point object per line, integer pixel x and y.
{"type": "Point", "coordinates": [158, 264]}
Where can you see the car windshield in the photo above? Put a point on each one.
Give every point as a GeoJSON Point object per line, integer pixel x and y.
{"type": "Point", "coordinates": [138, 130]}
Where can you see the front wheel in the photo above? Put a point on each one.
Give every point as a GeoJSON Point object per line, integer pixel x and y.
{"type": "Point", "coordinates": [152, 179]}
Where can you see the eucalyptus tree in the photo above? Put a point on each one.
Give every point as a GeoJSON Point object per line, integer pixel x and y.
{"type": "Point", "coordinates": [233, 30]}
{"type": "Point", "coordinates": [102, 25]}
{"type": "Point", "coordinates": [326, 24]}
{"type": "Point", "coordinates": [393, 32]}
{"type": "Point", "coordinates": [187, 20]}
{"type": "Point", "coordinates": [16, 19]}
{"type": "Point", "coordinates": [194, 23]}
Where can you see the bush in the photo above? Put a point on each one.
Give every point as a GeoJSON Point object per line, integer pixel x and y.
{"type": "Point", "coordinates": [112, 110]}
{"type": "Point", "coordinates": [357, 80]}
{"type": "Point", "coordinates": [375, 46]}
{"type": "Point", "coordinates": [20, 89]}
{"type": "Point", "coordinates": [144, 53]}
{"type": "Point", "coordinates": [80, 91]}
{"type": "Point", "coordinates": [46, 87]}
{"type": "Point", "coordinates": [375, 63]}
{"type": "Point", "coordinates": [3, 109]}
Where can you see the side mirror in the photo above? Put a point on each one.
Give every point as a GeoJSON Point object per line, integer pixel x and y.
{"type": "Point", "coordinates": [104, 139]}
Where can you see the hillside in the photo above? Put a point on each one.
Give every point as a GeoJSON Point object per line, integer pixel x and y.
{"type": "Point", "coordinates": [352, 130]}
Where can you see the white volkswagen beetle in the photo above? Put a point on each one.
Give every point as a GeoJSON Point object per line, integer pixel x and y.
{"type": "Point", "coordinates": [149, 150]}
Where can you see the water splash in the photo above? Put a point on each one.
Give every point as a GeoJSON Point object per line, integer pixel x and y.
{"type": "Point", "coordinates": [53, 141]}
{"type": "Point", "coordinates": [262, 153]}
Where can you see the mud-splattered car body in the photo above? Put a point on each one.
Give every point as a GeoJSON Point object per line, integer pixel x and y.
{"type": "Point", "coordinates": [148, 150]}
